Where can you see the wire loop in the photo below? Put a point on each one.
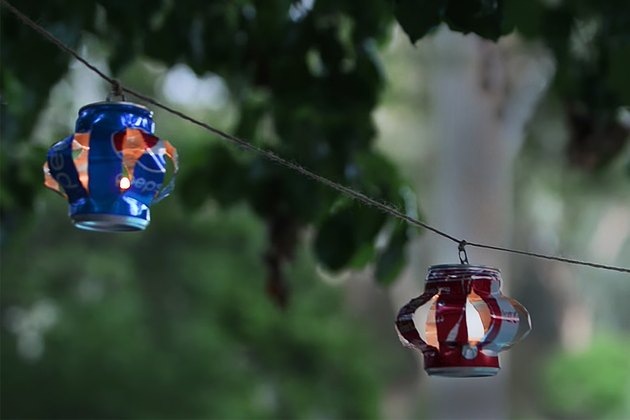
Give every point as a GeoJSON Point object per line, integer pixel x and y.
{"type": "Point", "coordinates": [117, 92]}
{"type": "Point", "coordinates": [463, 255]}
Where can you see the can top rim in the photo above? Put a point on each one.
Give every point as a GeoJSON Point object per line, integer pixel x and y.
{"type": "Point", "coordinates": [464, 266]}
{"type": "Point", "coordinates": [124, 103]}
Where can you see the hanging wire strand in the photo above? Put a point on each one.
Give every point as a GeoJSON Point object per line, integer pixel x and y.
{"type": "Point", "coordinates": [385, 207]}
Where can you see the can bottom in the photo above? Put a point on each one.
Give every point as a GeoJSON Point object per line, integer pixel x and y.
{"type": "Point", "coordinates": [109, 222]}
{"type": "Point", "coordinates": [463, 371]}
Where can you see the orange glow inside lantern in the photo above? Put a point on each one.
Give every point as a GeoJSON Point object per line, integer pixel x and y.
{"type": "Point", "coordinates": [462, 321]}
{"type": "Point", "coordinates": [113, 168]}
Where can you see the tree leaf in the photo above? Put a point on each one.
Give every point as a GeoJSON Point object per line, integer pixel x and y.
{"type": "Point", "coordinates": [393, 258]}
{"type": "Point", "coordinates": [418, 17]}
{"type": "Point", "coordinates": [482, 17]}
{"type": "Point", "coordinates": [337, 240]}
{"type": "Point", "coordinates": [618, 72]}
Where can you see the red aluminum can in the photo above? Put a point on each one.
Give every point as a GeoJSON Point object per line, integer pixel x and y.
{"type": "Point", "coordinates": [462, 321]}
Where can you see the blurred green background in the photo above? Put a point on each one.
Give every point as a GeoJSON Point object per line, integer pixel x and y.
{"type": "Point", "coordinates": [255, 293]}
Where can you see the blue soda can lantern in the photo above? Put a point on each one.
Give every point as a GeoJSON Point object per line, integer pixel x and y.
{"type": "Point", "coordinates": [112, 168]}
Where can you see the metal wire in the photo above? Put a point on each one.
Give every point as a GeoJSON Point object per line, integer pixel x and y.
{"type": "Point", "coordinates": [118, 89]}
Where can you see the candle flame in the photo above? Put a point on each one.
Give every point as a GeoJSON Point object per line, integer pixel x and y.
{"type": "Point", "coordinates": [475, 327]}
{"type": "Point", "coordinates": [125, 183]}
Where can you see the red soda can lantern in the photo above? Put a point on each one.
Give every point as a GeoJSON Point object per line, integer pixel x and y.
{"type": "Point", "coordinates": [462, 321]}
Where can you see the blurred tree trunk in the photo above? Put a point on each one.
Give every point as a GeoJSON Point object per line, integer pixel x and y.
{"type": "Point", "coordinates": [481, 95]}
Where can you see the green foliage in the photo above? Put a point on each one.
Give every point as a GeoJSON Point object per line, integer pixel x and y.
{"type": "Point", "coordinates": [390, 260]}
{"type": "Point", "coordinates": [591, 384]}
{"type": "Point", "coordinates": [174, 325]}
{"type": "Point", "coordinates": [482, 17]}
{"type": "Point", "coordinates": [590, 41]}
{"type": "Point", "coordinates": [305, 83]}
{"type": "Point", "coordinates": [587, 38]}
{"type": "Point", "coordinates": [345, 236]}
{"type": "Point", "coordinates": [30, 68]}
{"type": "Point", "coordinates": [619, 57]}
{"type": "Point", "coordinates": [418, 18]}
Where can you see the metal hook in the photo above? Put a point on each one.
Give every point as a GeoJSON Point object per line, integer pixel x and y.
{"type": "Point", "coordinates": [463, 256]}
{"type": "Point", "coordinates": [116, 92]}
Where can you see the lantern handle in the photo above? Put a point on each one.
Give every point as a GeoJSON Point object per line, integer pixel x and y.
{"type": "Point", "coordinates": [463, 256]}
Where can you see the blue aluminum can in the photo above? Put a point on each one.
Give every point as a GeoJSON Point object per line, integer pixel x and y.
{"type": "Point", "coordinates": [112, 168]}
